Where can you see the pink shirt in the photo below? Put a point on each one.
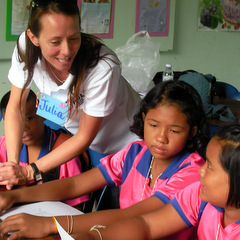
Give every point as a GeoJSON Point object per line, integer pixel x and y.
{"type": "Point", "coordinates": [129, 168]}
{"type": "Point", "coordinates": [68, 169]}
{"type": "Point", "coordinates": [207, 217]}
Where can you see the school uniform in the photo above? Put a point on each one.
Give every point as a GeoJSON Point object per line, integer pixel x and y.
{"type": "Point", "coordinates": [129, 169]}
{"type": "Point", "coordinates": [207, 217]}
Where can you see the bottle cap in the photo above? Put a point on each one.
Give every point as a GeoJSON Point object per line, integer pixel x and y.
{"type": "Point", "coordinates": [168, 66]}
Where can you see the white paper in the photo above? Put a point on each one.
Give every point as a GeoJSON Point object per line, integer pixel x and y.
{"type": "Point", "coordinates": [45, 208]}
{"type": "Point", "coordinates": [63, 234]}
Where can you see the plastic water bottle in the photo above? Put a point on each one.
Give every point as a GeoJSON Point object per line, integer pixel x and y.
{"type": "Point", "coordinates": [168, 73]}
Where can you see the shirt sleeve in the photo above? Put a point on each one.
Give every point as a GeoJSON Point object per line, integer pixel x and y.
{"type": "Point", "coordinates": [187, 175]}
{"type": "Point", "coordinates": [3, 150]}
{"type": "Point", "coordinates": [187, 203]}
{"type": "Point", "coordinates": [111, 167]}
{"type": "Point", "coordinates": [101, 86]}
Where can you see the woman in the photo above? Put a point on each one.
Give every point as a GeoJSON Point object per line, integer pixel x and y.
{"type": "Point", "coordinates": [78, 70]}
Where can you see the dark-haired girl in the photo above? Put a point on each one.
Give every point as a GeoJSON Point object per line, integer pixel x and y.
{"type": "Point", "coordinates": [172, 124]}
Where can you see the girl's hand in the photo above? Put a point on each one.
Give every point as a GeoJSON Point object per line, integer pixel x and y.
{"type": "Point", "coordinates": [26, 226]}
{"type": "Point", "coordinates": [7, 199]}
{"type": "Point", "coordinates": [12, 174]}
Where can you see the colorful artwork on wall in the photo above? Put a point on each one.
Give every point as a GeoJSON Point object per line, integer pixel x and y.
{"type": "Point", "coordinates": [219, 15]}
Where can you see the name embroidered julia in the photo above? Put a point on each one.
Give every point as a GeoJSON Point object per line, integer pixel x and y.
{"type": "Point", "coordinates": [50, 109]}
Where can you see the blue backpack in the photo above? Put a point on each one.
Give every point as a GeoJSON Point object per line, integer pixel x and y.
{"type": "Point", "coordinates": [204, 84]}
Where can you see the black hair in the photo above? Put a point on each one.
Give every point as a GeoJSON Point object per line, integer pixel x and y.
{"type": "Point", "coordinates": [189, 101]}
{"type": "Point", "coordinates": [229, 137]}
{"type": "Point", "coordinates": [5, 99]}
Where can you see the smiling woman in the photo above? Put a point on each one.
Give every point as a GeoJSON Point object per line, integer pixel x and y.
{"type": "Point", "coordinates": [77, 70]}
{"type": "Point", "coordinates": [59, 42]}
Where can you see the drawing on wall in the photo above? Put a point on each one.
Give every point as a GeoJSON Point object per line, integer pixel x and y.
{"type": "Point", "coordinates": [97, 17]}
{"type": "Point", "coordinates": [152, 16]}
{"type": "Point", "coordinates": [219, 15]}
{"type": "Point", "coordinates": [16, 18]}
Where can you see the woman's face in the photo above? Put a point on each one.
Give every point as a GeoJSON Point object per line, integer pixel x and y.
{"type": "Point", "coordinates": [166, 131]}
{"type": "Point", "coordinates": [59, 40]}
{"type": "Point", "coordinates": [214, 179]}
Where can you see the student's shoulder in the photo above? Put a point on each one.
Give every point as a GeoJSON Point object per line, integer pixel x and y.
{"type": "Point", "coordinates": [3, 148]}
{"type": "Point", "coordinates": [194, 159]}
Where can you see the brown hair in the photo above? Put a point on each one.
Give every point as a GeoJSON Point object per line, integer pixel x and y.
{"type": "Point", "coordinates": [87, 57]}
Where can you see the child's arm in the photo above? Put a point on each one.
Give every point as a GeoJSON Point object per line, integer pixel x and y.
{"type": "Point", "coordinates": [32, 226]}
{"type": "Point", "coordinates": [157, 224]}
{"type": "Point", "coordinates": [63, 189]}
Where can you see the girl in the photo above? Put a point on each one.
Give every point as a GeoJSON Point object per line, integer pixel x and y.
{"type": "Point", "coordinates": [213, 204]}
{"type": "Point", "coordinates": [37, 141]}
{"type": "Point", "coordinates": [173, 125]}
{"type": "Point", "coordinates": [77, 70]}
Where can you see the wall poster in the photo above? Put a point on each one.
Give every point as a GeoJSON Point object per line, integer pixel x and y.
{"type": "Point", "coordinates": [219, 15]}
{"type": "Point", "coordinates": [153, 16]}
{"type": "Point", "coordinates": [97, 17]}
{"type": "Point", "coordinates": [16, 18]}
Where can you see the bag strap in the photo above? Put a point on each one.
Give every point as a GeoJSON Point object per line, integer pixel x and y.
{"type": "Point", "coordinates": [62, 137]}
{"type": "Point", "coordinates": [84, 158]}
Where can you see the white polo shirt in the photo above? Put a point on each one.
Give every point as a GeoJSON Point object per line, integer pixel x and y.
{"type": "Point", "coordinates": [103, 93]}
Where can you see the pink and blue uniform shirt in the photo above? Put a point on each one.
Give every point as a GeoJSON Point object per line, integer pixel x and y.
{"type": "Point", "coordinates": [129, 168]}
{"type": "Point", "coordinates": [207, 217]}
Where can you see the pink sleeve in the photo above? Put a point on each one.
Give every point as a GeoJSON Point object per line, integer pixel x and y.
{"type": "Point", "coordinates": [187, 203]}
{"type": "Point", "coordinates": [181, 178]}
{"type": "Point", "coordinates": [69, 169]}
{"type": "Point", "coordinates": [3, 150]}
{"type": "Point", "coordinates": [111, 166]}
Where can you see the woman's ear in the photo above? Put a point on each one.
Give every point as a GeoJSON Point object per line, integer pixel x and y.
{"type": "Point", "coordinates": [193, 132]}
{"type": "Point", "coordinates": [143, 116]}
{"type": "Point", "coordinates": [33, 38]}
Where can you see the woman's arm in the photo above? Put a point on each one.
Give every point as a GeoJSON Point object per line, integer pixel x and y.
{"type": "Point", "coordinates": [14, 123]}
{"type": "Point", "coordinates": [13, 128]}
{"type": "Point", "coordinates": [74, 146]}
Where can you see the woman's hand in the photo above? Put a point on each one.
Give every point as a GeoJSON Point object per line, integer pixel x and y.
{"type": "Point", "coordinates": [13, 174]}
{"type": "Point", "coordinates": [26, 226]}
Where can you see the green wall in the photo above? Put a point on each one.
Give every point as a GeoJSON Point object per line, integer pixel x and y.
{"type": "Point", "coordinates": [212, 52]}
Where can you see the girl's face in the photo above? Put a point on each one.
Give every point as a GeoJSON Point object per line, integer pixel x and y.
{"type": "Point", "coordinates": [166, 131]}
{"type": "Point", "coordinates": [59, 40]}
{"type": "Point", "coordinates": [34, 126]}
{"type": "Point", "coordinates": [214, 179]}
